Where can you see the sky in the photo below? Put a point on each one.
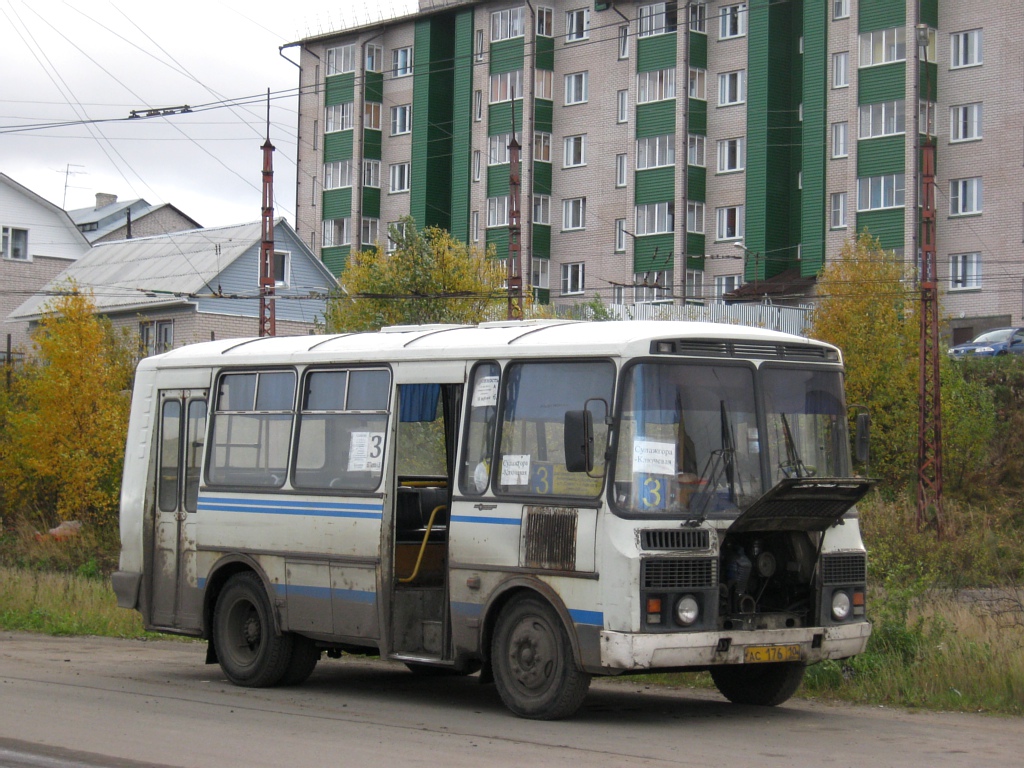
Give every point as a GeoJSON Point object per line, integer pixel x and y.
{"type": "Point", "coordinates": [73, 71]}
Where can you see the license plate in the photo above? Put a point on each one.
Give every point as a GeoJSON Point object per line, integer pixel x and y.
{"type": "Point", "coordinates": [754, 654]}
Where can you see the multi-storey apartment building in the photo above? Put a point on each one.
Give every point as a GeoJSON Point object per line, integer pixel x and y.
{"type": "Point", "coordinates": [658, 137]}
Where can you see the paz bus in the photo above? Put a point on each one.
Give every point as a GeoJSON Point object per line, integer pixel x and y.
{"type": "Point", "coordinates": [537, 501]}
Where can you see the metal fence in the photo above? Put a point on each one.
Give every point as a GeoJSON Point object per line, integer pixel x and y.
{"type": "Point", "coordinates": [787, 319]}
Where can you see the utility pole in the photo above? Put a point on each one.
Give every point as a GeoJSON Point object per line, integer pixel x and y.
{"type": "Point", "coordinates": [268, 324]}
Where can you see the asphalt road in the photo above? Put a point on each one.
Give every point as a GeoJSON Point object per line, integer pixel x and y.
{"type": "Point", "coordinates": [104, 702]}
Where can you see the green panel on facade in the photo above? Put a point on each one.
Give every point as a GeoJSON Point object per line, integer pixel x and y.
{"type": "Point", "coordinates": [542, 295]}
{"type": "Point", "coordinates": [653, 252]}
{"type": "Point", "coordinates": [698, 122]}
{"type": "Point", "coordinates": [542, 178]}
{"type": "Point", "coordinates": [337, 146]}
{"type": "Point", "coordinates": [373, 90]}
{"type": "Point", "coordinates": [814, 140]}
{"type": "Point", "coordinates": [929, 75]}
{"type": "Point", "coordinates": [696, 182]}
{"type": "Point", "coordinates": [498, 237]}
{"type": "Point", "coordinates": [883, 155]}
{"type": "Point", "coordinates": [340, 88]}
{"type": "Point", "coordinates": [541, 241]}
{"type": "Point", "coordinates": [371, 202]}
{"type": "Point", "coordinates": [698, 52]}
{"type": "Point", "coordinates": [372, 144]}
{"type": "Point", "coordinates": [930, 13]}
{"type": "Point", "coordinates": [657, 185]}
{"type": "Point", "coordinates": [499, 117]}
{"type": "Point", "coordinates": [884, 83]}
{"type": "Point", "coordinates": [881, 14]}
{"type": "Point", "coordinates": [462, 122]}
{"type": "Point", "coordinates": [695, 244]}
{"type": "Point", "coordinates": [543, 114]}
{"type": "Point", "coordinates": [497, 180]}
{"type": "Point", "coordinates": [335, 259]}
{"type": "Point", "coordinates": [656, 52]}
{"type": "Point", "coordinates": [887, 226]}
{"type": "Point", "coordinates": [507, 55]}
{"type": "Point", "coordinates": [655, 119]}
{"type": "Point", "coordinates": [545, 52]}
{"type": "Point", "coordinates": [337, 203]}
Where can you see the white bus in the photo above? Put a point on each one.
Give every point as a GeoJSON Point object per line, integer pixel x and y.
{"type": "Point", "coordinates": [540, 501]}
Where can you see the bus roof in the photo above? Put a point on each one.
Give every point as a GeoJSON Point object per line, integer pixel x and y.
{"type": "Point", "coordinates": [525, 338]}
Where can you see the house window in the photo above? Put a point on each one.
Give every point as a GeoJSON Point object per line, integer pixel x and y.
{"type": "Point", "coordinates": [282, 269]}
{"type": "Point", "coordinates": [540, 273]}
{"type": "Point", "coordinates": [374, 58]}
{"type": "Point", "coordinates": [622, 106]}
{"type": "Point", "coordinates": [731, 155]}
{"type": "Point", "coordinates": [698, 83]}
{"type": "Point", "coordinates": [624, 42]}
{"type": "Point", "coordinates": [156, 337]}
{"type": "Point", "coordinates": [401, 62]}
{"type": "Point", "coordinates": [698, 16]}
{"type": "Point", "coordinates": [574, 213]}
{"type": "Point", "coordinates": [931, 50]}
{"type": "Point", "coordinates": [839, 140]}
{"type": "Point", "coordinates": [497, 211]}
{"type": "Point", "coordinates": [371, 231]}
{"type": "Point", "coordinates": [478, 106]}
{"type": "Point", "coordinates": [732, 88]}
{"type": "Point", "coordinates": [478, 46]}
{"type": "Point", "coordinates": [371, 173]}
{"type": "Point", "coordinates": [337, 232]}
{"type": "Point", "coordinates": [838, 219]}
{"type": "Point", "coordinates": [650, 287]}
{"type": "Point", "coordinates": [545, 22]}
{"type": "Point", "coordinates": [396, 235]}
{"type": "Point", "coordinates": [620, 170]}
{"type": "Point", "coordinates": [655, 86]}
{"type": "Point", "coordinates": [544, 80]}
{"type": "Point", "coordinates": [400, 177]}
{"type": "Point", "coordinates": [964, 271]}
{"type": "Point", "coordinates": [401, 119]}
{"type": "Point", "coordinates": [542, 209]}
{"type": "Point", "coordinates": [654, 218]}
{"type": "Point", "coordinates": [572, 278]}
{"type": "Point", "coordinates": [965, 196]}
{"type": "Point", "coordinates": [695, 284]}
{"type": "Point", "coordinates": [498, 152]}
{"type": "Point", "coordinates": [542, 146]}
{"type": "Point", "coordinates": [577, 25]}
{"type": "Point", "coordinates": [965, 122]}
{"type": "Point", "coordinates": [371, 115]}
{"type": "Point", "coordinates": [476, 226]}
{"type": "Point", "coordinates": [876, 192]}
{"type": "Point", "coordinates": [840, 70]}
{"type": "Point", "coordinates": [620, 235]}
{"type": "Point", "coordinates": [656, 151]}
{"type": "Point", "coordinates": [883, 46]}
{"type": "Point", "coordinates": [338, 117]}
{"type": "Point", "coordinates": [926, 117]}
{"type": "Point", "coordinates": [695, 150]}
{"type": "Point", "coordinates": [506, 86]}
{"type": "Point", "coordinates": [507, 24]}
{"type": "Point", "coordinates": [575, 151]}
{"type": "Point", "coordinates": [726, 284]}
{"type": "Point", "coordinates": [965, 49]}
{"type": "Point", "coordinates": [576, 88]}
{"type": "Point", "coordinates": [840, 9]}
{"type": "Point", "coordinates": [883, 119]}
{"type": "Point", "coordinates": [338, 174]}
{"type": "Point", "coordinates": [476, 165]}
{"type": "Point", "coordinates": [341, 59]}
{"type": "Point", "coordinates": [730, 223]}
{"type": "Point", "coordinates": [695, 217]}
{"type": "Point", "coordinates": [14, 243]}
{"type": "Point", "coordinates": [732, 21]}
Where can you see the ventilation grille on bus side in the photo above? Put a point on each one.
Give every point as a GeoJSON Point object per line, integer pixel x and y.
{"type": "Point", "coordinates": [551, 538]}
{"type": "Point", "coordinates": [745, 349]}
{"type": "Point", "coordinates": [844, 569]}
{"type": "Point", "coordinates": [679, 573]}
{"type": "Point", "coordinates": [679, 538]}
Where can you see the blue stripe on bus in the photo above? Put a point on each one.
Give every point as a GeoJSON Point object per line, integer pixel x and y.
{"type": "Point", "coordinates": [587, 617]}
{"type": "Point", "coordinates": [326, 593]}
{"type": "Point", "coordinates": [285, 507]}
{"type": "Point", "coordinates": [487, 520]}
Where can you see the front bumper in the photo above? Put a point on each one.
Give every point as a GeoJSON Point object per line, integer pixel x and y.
{"type": "Point", "coordinates": [630, 651]}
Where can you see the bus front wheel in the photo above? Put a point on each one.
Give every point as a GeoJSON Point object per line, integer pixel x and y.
{"type": "Point", "coordinates": [250, 653]}
{"type": "Point", "coordinates": [764, 685]}
{"type": "Point", "coordinates": [533, 663]}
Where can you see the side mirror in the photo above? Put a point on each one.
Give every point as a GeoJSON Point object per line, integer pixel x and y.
{"type": "Point", "coordinates": [862, 438]}
{"type": "Point", "coordinates": [579, 441]}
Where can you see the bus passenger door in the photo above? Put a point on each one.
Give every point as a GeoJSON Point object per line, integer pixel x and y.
{"type": "Point", "coordinates": [182, 428]}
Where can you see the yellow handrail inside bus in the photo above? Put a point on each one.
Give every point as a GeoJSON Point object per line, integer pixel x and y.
{"type": "Point", "coordinates": [423, 546]}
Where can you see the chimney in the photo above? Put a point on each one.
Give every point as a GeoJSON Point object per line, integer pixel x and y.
{"type": "Point", "coordinates": [104, 199]}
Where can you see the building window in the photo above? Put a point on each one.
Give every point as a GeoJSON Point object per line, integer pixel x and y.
{"type": "Point", "coordinates": [654, 218]}
{"type": "Point", "coordinates": [840, 70]}
{"type": "Point", "coordinates": [624, 42]}
{"type": "Point", "coordinates": [656, 19]}
{"type": "Point", "coordinates": [540, 273]}
{"type": "Point", "coordinates": [698, 83]}
{"type": "Point", "coordinates": [371, 115]}
{"type": "Point", "coordinates": [883, 46]}
{"type": "Point", "coordinates": [965, 196]}
{"type": "Point", "coordinates": [726, 284]}
{"type": "Point", "coordinates": [400, 177]}
{"type": "Point", "coordinates": [694, 284]}
{"type": "Point", "coordinates": [338, 174]}
{"type": "Point", "coordinates": [338, 117]}
{"type": "Point", "coordinates": [575, 151]}
{"type": "Point", "coordinates": [622, 106]}
{"type": "Point", "coordinates": [497, 211]}
{"type": "Point", "coordinates": [577, 25]}
{"type": "Point", "coordinates": [396, 234]}
{"type": "Point", "coordinates": [507, 24]}
{"type": "Point", "coordinates": [371, 173]}
{"type": "Point", "coordinates": [620, 170]}
{"type": "Point", "coordinates": [698, 16]}
{"type": "Point", "coordinates": [883, 119]}
{"type": "Point", "coordinates": [620, 235]}
{"type": "Point", "coordinates": [401, 119]}
{"type": "Point", "coordinates": [731, 155]}
{"type": "Point", "coordinates": [542, 209]}
{"type": "Point", "coordinates": [730, 223]}
{"type": "Point", "coordinates": [965, 49]}
{"type": "Point", "coordinates": [476, 226]}
{"type": "Point", "coordinates": [876, 192]}
{"type": "Point", "coordinates": [651, 287]}
{"type": "Point", "coordinates": [337, 232]}
{"type": "Point", "coordinates": [282, 269]}
{"type": "Point", "coordinates": [839, 140]}
{"type": "Point", "coordinates": [838, 219]}
{"type": "Point", "coordinates": [655, 86]}
{"type": "Point", "coordinates": [401, 62]}
{"type": "Point", "coordinates": [656, 151]}
{"type": "Point", "coordinates": [695, 150]}
{"type": "Point", "coordinates": [695, 217]}
{"type": "Point", "coordinates": [506, 86]}
{"type": "Point", "coordinates": [965, 122]}
{"type": "Point", "coordinates": [732, 21]}
{"type": "Point", "coordinates": [476, 165]}
{"type": "Point", "coordinates": [478, 46]}
{"type": "Point", "coordinates": [341, 59]}
{"type": "Point", "coordinates": [371, 231]}
{"type": "Point", "coordinates": [926, 117]}
{"type": "Point", "coordinates": [964, 271]}
{"type": "Point", "coordinates": [576, 88]}
{"type": "Point", "coordinates": [498, 152]}
{"type": "Point", "coordinates": [545, 84]}
{"type": "Point", "coordinates": [732, 88]}
{"type": "Point", "coordinates": [545, 22]}
{"type": "Point", "coordinates": [572, 278]}
{"type": "Point", "coordinates": [542, 146]}
{"type": "Point", "coordinates": [14, 243]}
{"type": "Point", "coordinates": [478, 106]}
{"type": "Point", "coordinates": [156, 337]}
{"type": "Point", "coordinates": [574, 213]}
{"type": "Point", "coordinates": [374, 58]}
{"type": "Point", "coordinates": [840, 9]}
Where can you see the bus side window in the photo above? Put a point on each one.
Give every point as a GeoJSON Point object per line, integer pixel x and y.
{"type": "Point", "coordinates": [170, 447]}
{"type": "Point", "coordinates": [195, 433]}
{"type": "Point", "coordinates": [481, 417]}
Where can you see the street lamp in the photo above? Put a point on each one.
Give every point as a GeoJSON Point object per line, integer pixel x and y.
{"type": "Point", "coordinates": [752, 254]}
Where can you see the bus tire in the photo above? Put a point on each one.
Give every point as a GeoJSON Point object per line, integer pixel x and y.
{"type": "Point", "coordinates": [763, 685]}
{"type": "Point", "coordinates": [534, 667]}
{"type": "Point", "coordinates": [250, 653]}
{"type": "Point", "coordinates": [305, 656]}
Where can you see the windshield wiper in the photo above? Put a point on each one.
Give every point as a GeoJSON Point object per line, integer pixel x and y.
{"type": "Point", "coordinates": [721, 461]}
{"type": "Point", "coordinates": [794, 464]}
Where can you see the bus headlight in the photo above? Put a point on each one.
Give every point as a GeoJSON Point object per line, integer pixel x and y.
{"type": "Point", "coordinates": [840, 606]}
{"type": "Point", "coordinates": [687, 610]}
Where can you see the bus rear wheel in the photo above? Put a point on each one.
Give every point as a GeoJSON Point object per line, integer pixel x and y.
{"type": "Point", "coordinates": [533, 663]}
{"type": "Point", "coordinates": [250, 653]}
{"type": "Point", "coordinates": [763, 685]}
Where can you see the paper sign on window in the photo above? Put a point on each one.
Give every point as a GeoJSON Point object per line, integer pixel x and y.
{"type": "Point", "coordinates": [654, 458]}
{"type": "Point", "coordinates": [366, 452]}
{"type": "Point", "coordinates": [485, 394]}
{"type": "Point", "coordinates": [515, 469]}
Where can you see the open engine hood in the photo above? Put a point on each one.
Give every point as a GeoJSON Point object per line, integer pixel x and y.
{"type": "Point", "coordinates": [802, 504]}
